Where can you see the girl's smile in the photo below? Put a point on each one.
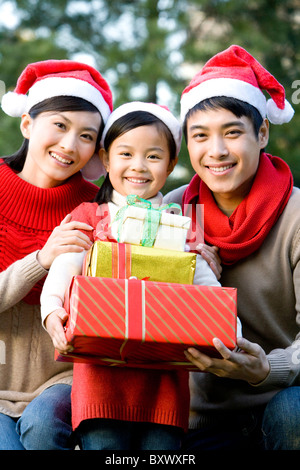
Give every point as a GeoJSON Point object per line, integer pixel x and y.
{"type": "Point", "coordinates": [138, 161]}
{"type": "Point", "coordinates": [137, 180]}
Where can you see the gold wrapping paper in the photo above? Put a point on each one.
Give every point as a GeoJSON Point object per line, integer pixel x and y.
{"type": "Point", "coordinates": [121, 260]}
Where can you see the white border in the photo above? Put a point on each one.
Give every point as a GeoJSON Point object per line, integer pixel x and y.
{"type": "Point", "coordinates": [67, 86]}
{"type": "Point", "coordinates": [161, 113]}
{"type": "Point", "coordinates": [229, 87]}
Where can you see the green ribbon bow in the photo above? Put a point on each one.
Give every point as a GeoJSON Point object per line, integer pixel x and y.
{"type": "Point", "coordinates": [152, 217]}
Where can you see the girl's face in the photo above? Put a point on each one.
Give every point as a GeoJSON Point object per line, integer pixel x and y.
{"type": "Point", "coordinates": [138, 162]}
{"type": "Point", "coordinates": [60, 144]}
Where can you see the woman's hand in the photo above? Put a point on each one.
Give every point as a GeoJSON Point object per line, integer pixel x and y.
{"type": "Point", "coordinates": [249, 363]}
{"type": "Point", "coordinates": [54, 324]}
{"type": "Point", "coordinates": [65, 238]}
{"type": "Point", "coordinates": [210, 254]}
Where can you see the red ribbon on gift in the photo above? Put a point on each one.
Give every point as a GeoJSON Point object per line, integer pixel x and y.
{"type": "Point", "coordinates": [121, 260]}
{"type": "Point", "coordinates": [134, 298]}
{"type": "Point", "coordinates": [135, 316]}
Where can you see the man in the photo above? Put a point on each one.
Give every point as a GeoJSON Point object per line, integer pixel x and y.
{"type": "Point", "coordinates": [252, 214]}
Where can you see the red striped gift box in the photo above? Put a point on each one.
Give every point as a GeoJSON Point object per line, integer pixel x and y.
{"type": "Point", "coordinates": [128, 322]}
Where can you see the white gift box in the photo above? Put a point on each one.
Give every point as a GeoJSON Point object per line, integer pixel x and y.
{"type": "Point", "coordinates": [170, 234]}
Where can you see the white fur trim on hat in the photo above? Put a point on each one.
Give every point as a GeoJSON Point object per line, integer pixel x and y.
{"type": "Point", "coordinates": [160, 112]}
{"type": "Point", "coordinates": [229, 87]}
{"type": "Point", "coordinates": [15, 104]}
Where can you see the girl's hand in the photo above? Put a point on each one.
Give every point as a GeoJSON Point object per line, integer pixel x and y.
{"type": "Point", "coordinates": [54, 324]}
{"type": "Point", "coordinates": [249, 363]}
{"type": "Point", "coordinates": [210, 254]}
{"type": "Point", "coordinates": [65, 238]}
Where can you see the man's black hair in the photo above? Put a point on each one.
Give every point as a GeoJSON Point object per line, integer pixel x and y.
{"type": "Point", "coordinates": [237, 107]}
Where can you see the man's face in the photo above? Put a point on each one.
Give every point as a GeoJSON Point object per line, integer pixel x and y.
{"type": "Point", "coordinates": [224, 152]}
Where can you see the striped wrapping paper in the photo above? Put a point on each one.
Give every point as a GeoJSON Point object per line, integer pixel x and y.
{"type": "Point", "coordinates": [128, 322]}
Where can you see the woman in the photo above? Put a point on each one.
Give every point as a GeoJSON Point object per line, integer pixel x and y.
{"type": "Point", "coordinates": [62, 118]}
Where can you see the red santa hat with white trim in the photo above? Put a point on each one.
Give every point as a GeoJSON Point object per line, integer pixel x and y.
{"type": "Point", "coordinates": [161, 112]}
{"type": "Point", "coordinates": [237, 74]}
{"type": "Point", "coordinates": [50, 78]}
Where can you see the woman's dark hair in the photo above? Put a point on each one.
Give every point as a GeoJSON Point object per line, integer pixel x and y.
{"type": "Point", "coordinates": [237, 107]}
{"type": "Point", "coordinates": [121, 126]}
{"type": "Point", "coordinates": [58, 103]}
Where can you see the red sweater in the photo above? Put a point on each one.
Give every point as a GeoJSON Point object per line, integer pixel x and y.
{"type": "Point", "coordinates": [28, 215]}
{"type": "Point", "coordinates": [155, 396]}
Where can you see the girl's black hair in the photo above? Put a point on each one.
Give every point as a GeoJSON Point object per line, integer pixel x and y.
{"type": "Point", "coordinates": [58, 103]}
{"type": "Point", "coordinates": [121, 126]}
{"type": "Point", "coordinates": [237, 107]}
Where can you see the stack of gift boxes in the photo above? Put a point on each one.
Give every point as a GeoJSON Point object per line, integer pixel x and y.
{"type": "Point", "coordinates": [135, 304]}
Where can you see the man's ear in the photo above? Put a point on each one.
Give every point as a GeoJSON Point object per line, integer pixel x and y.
{"type": "Point", "coordinates": [172, 165]}
{"type": "Point", "coordinates": [263, 134]}
{"type": "Point", "coordinates": [26, 125]}
{"type": "Point", "coordinates": [104, 158]}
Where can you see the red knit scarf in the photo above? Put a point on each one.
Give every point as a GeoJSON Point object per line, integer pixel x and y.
{"type": "Point", "coordinates": [244, 231]}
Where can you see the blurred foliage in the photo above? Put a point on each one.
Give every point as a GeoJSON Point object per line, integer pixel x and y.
{"type": "Point", "coordinates": [150, 49]}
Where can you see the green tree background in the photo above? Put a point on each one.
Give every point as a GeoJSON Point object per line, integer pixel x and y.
{"type": "Point", "coordinates": [150, 49]}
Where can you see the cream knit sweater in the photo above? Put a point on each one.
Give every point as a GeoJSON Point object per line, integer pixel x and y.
{"type": "Point", "coordinates": [27, 363]}
{"type": "Point", "coordinates": [268, 288]}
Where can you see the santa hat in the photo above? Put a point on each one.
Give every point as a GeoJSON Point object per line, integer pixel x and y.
{"type": "Point", "coordinates": [51, 78]}
{"type": "Point", "coordinates": [161, 112]}
{"type": "Point", "coordinates": [236, 74]}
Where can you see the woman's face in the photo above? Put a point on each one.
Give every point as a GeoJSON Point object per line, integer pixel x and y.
{"type": "Point", "coordinates": [60, 144]}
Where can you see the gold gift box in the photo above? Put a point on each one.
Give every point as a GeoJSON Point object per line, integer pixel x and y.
{"type": "Point", "coordinates": [122, 261]}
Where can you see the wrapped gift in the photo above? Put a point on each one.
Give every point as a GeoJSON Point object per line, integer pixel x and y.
{"type": "Point", "coordinates": [133, 323]}
{"type": "Point", "coordinates": [139, 223]}
{"type": "Point", "coordinates": [121, 260]}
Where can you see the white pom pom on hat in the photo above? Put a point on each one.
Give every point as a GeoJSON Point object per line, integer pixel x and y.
{"type": "Point", "coordinates": [93, 169]}
{"type": "Point", "coordinates": [277, 115]}
{"type": "Point", "coordinates": [14, 104]}
{"type": "Point", "coordinates": [237, 74]}
{"type": "Point", "coordinates": [50, 78]}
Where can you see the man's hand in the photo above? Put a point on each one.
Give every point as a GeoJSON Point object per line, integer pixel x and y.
{"type": "Point", "coordinates": [210, 254]}
{"type": "Point", "coordinates": [54, 324]}
{"type": "Point", "coordinates": [250, 363]}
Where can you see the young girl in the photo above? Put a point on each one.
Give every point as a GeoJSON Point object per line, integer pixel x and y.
{"type": "Point", "coordinates": [61, 121]}
{"type": "Point", "coordinates": [115, 408]}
